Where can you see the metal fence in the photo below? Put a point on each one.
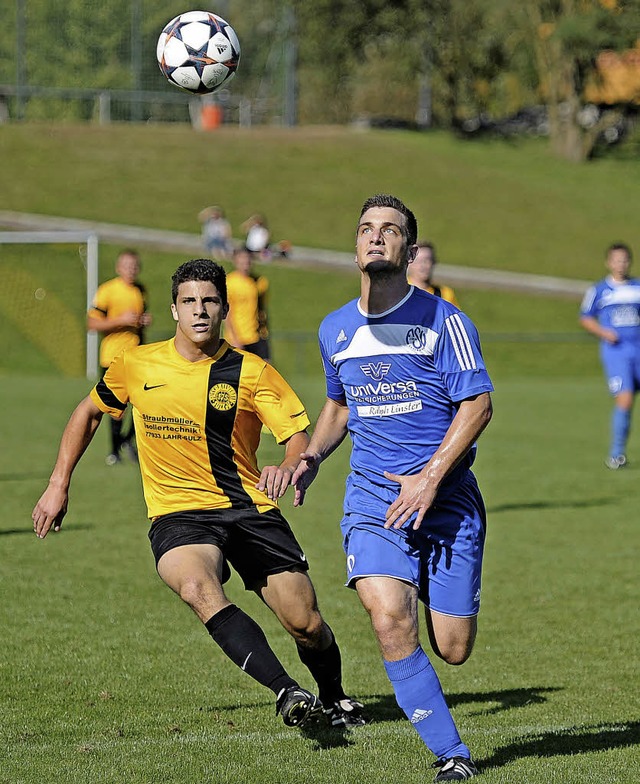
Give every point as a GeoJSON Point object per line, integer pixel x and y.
{"type": "Point", "coordinates": [105, 106]}
{"type": "Point", "coordinates": [95, 61]}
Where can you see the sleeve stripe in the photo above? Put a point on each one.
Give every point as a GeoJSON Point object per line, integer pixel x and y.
{"type": "Point", "coordinates": [461, 343]}
{"type": "Point", "coordinates": [588, 300]}
{"type": "Point", "coordinates": [454, 343]}
{"type": "Point", "coordinates": [107, 396]}
{"type": "Point", "coordinates": [465, 337]}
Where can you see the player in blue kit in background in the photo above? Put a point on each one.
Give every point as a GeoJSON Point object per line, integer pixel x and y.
{"type": "Point", "coordinates": [611, 311]}
{"type": "Point", "coordinates": [406, 379]}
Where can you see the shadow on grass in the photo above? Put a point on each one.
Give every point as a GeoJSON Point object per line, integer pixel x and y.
{"type": "Point", "coordinates": [12, 531]}
{"type": "Point", "coordinates": [381, 708]}
{"type": "Point", "coordinates": [20, 477]}
{"type": "Point", "coordinates": [568, 741]}
{"type": "Point", "coordinates": [29, 530]}
{"type": "Point", "coordinates": [325, 737]}
{"type": "Point", "coordinates": [568, 504]}
{"type": "Point", "coordinates": [322, 735]}
{"type": "Point", "coordinates": [506, 699]}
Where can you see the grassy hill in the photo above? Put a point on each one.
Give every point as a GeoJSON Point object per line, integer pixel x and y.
{"type": "Point", "coordinates": [507, 205]}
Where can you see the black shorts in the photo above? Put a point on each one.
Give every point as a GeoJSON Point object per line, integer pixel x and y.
{"type": "Point", "coordinates": [255, 543]}
{"type": "Point", "coordinates": [260, 348]}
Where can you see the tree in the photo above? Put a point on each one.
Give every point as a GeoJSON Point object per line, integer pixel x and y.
{"type": "Point", "coordinates": [566, 37]}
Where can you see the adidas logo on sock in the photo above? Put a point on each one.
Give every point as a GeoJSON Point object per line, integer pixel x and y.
{"type": "Point", "coordinates": [420, 715]}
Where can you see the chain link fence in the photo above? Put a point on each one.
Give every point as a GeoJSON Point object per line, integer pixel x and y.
{"type": "Point", "coordinates": [89, 60]}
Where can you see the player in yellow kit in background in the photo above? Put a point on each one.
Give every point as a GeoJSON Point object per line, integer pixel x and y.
{"type": "Point", "coordinates": [420, 272]}
{"type": "Point", "coordinates": [246, 325]}
{"type": "Point", "coordinates": [198, 407]}
{"type": "Point", "coordinates": [119, 313]}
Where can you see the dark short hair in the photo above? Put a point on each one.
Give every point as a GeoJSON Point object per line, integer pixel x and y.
{"type": "Point", "coordinates": [385, 200]}
{"type": "Point", "coordinates": [429, 246]}
{"type": "Point", "coordinates": [200, 269]}
{"type": "Point", "coordinates": [619, 246]}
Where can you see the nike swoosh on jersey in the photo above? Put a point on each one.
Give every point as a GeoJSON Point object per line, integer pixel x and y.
{"type": "Point", "coordinates": [147, 387]}
{"type": "Point", "coordinates": [295, 416]}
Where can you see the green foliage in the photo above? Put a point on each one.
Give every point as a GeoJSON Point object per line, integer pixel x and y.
{"type": "Point", "coordinates": [586, 32]}
{"type": "Point", "coordinates": [371, 58]}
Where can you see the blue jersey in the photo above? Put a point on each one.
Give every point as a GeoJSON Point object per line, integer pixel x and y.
{"type": "Point", "coordinates": [615, 306]}
{"type": "Point", "coordinates": [401, 373]}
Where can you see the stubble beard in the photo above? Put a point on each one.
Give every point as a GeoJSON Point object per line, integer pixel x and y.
{"type": "Point", "coordinates": [382, 271]}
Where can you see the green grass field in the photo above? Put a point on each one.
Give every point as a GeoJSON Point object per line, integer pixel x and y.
{"type": "Point", "coordinates": [105, 676]}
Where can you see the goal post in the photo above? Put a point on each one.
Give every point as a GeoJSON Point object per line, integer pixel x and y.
{"type": "Point", "coordinates": [39, 316]}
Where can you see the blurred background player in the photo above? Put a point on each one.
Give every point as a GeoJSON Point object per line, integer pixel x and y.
{"type": "Point", "coordinates": [258, 236]}
{"type": "Point", "coordinates": [198, 405]}
{"type": "Point", "coordinates": [216, 233]}
{"type": "Point", "coordinates": [246, 326]}
{"type": "Point", "coordinates": [119, 313]}
{"type": "Point", "coordinates": [420, 271]}
{"type": "Point", "coordinates": [611, 311]}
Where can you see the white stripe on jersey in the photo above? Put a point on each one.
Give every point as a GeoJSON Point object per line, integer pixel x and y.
{"type": "Point", "coordinates": [621, 295]}
{"type": "Point", "coordinates": [460, 342]}
{"type": "Point", "coordinates": [588, 299]}
{"type": "Point", "coordinates": [375, 340]}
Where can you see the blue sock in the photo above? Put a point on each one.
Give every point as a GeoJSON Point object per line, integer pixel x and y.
{"type": "Point", "coordinates": [620, 424]}
{"type": "Point", "coordinates": [419, 694]}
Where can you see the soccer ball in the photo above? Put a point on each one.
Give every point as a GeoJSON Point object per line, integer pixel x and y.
{"type": "Point", "coordinates": [198, 51]}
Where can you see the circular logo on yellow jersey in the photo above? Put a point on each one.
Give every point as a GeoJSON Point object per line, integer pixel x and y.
{"type": "Point", "coordinates": [222, 397]}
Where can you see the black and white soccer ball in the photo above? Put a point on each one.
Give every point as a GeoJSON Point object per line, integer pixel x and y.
{"type": "Point", "coordinates": [198, 51]}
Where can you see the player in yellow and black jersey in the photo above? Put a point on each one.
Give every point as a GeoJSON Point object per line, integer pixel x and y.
{"type": "Point", "coordinates": [199, 406]}
{"type": "Point", "coordinates": [420, 273]}
{"type": "Point", "coordinates": [246, 326]}
{"type": "Point", "coordinates": [119, 313]}
{"type": "Point", "coordinates": [200, 420]}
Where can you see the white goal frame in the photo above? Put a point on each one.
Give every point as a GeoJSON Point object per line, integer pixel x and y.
{"type": "Point", "coordinates": [68, 238]}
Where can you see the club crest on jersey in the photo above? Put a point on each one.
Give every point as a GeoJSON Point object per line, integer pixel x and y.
{"type": "Point", "coordinates": [223, 397]}
{"type": "Point", "coordinates": [417, 338]}
{"type": "Point", "coordinates": [376, 370]}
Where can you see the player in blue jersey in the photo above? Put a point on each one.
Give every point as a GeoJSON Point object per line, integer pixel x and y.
{"type": "Point", "coordinates": [611, 311]}
{"type": "Point", "coordinates": [406, 380]}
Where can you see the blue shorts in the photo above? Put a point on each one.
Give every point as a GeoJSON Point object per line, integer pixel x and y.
{"type": "Point", "coordinates": [443, 558]}
{"type": "Point", "coordinates": [621, 363]}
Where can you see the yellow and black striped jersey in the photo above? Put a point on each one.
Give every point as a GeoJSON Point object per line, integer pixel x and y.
{"type": "Point", "coordinates": [445, 292]}
{"type": "Point", "coordinates": [198, 424]}
{"type": "Point", "coordinates": [246, 322]}
{"type": "Point", "coordinates": [112, 299]}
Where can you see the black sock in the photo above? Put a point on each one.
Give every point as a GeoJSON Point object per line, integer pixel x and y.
{"type": "Point", "coordinates": [245, 644]}
{"type": "Point", "coordinates": [116, 436]}
{"type": "Point", "coordinates": [326, 668]}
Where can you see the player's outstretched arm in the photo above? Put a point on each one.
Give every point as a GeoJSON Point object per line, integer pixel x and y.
{"type": "Point", "coordinates": [52, 506]}
{"type": "Point", "coordinates": [329, 433]}
{"type": "Point", "coordinates": [417, 492]}
{"type": "Point", "coordinates": [274, 480]}
{"type": "Point", "coordinates": [129, 320]}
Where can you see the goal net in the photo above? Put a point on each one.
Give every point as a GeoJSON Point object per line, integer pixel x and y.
{"type": "Point", "coordinates": [49, 279]}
